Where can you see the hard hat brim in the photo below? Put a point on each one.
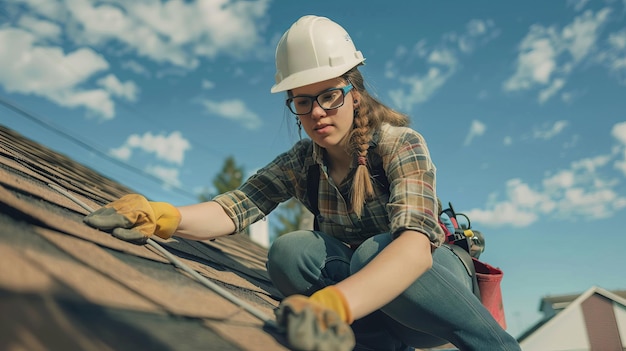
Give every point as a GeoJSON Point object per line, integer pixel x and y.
{"type": "Point", "coordinates": [312, 76]}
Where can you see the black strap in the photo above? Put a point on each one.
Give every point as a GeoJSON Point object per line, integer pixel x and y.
{"type": "Point", "coordinates": [468, 262]}
{"type": "Point", "coordinates": [313, 186]}
{"type": "Point", "coordinates": [312, 192]}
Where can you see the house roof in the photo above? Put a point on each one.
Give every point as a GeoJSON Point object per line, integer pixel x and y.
{"type": "Point", "coordinates": [562, 301]}
{"type": "Point", "coordinates": [65, 285]}
{"type": "Point", "coordinates": [571, 301]}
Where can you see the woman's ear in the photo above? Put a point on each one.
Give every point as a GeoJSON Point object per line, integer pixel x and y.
{"type": "Point", "coordinates": [355, 100]}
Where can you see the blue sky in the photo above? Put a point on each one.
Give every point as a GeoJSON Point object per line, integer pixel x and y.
{"type": "Point", "coordinates": [522, 104]}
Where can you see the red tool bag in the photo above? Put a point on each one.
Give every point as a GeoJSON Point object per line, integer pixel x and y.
{"type": "Point", "coordinates": [486, 278]}
{"type": "Point", "coordinates": [489, 278]}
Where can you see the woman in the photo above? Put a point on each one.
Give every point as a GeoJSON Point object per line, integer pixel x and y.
{"type": "Point", "coordinates": [376, 263]}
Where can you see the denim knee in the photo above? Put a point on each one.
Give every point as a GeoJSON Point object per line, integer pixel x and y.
{"type": "Point", "coordinates": [303, 262]}
{"type": "Point", "coordinates": [368, 250]}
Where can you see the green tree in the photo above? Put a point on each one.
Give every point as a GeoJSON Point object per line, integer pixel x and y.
{"type": "Point", "coordinates": [292, 216]}
{"type": "Point", "coordinates": [229, 178]}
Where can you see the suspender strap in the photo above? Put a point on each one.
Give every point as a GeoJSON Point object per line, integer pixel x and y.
{"type": "Point", "coordinates": [313, 186]}
{"type": "Point", "coordinates": [465, 257]}
{"type": "Point", "coordinates": [312, 192]}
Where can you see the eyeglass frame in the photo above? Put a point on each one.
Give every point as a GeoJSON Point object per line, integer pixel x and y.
{"type": "Point", "coordinates": [313, 98]}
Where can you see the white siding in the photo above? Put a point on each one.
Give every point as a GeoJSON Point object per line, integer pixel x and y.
{"type": "Point", "coordinates": [620, 316]}
{"type": "Point", "coordinates": [565, 332]}
{"type": "Point", "coordinates": [260, 233]}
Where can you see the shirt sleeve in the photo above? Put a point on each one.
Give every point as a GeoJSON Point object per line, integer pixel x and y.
{"type": "Point", "coordinates": [264, 191]}
{"type": "Point", "coordinates": [413, 201]}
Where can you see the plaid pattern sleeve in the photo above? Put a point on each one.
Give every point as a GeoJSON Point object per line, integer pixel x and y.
{"type": "Point", "coordinates": [410, 171]}
{"type": "Point", "coordinates": [281, 179]}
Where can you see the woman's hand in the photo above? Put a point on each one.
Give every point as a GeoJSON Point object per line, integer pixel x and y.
{"type": "Point", "coordinates": [133, 218]}
{"type": "Point", "coordinates": [319, 322]}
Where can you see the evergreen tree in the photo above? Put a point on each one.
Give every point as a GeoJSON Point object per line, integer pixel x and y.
{"type": "Point", "coordinates": [229, 178]}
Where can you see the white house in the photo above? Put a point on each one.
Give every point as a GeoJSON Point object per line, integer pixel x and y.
{"type": "Point", "coordinates": [594, 320]}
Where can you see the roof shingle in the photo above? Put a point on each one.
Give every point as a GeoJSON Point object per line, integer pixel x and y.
{"type": "Point", "coordinates": [64, 285]}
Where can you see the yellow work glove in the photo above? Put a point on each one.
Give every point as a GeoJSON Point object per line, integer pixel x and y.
{"type": "Point", "coordinates": [133, 218]}
{"type": "Point", "coordinates": [317, 323]}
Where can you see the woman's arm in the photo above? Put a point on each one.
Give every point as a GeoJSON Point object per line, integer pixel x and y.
{"type": "Point", "coordinates": [203, 221]}
{"type": "Point", "coordinates": [390, 273]}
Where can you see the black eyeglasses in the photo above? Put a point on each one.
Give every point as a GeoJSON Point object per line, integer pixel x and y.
{"type": "Point", "coordinates": [328, 100]}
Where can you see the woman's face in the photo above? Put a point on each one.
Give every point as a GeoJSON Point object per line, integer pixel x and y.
{"type": "Point", "coordinates": [328, 128]}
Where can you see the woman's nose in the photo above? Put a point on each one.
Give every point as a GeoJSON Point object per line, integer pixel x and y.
{"type": "Point", "coordinates": [317, 111]}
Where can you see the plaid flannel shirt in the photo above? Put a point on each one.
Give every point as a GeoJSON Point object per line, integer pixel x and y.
{"type": "Point", "coordinates": [406, 201]}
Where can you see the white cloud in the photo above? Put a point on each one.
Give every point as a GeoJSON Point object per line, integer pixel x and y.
{"type": "Point", "coordinates": [562, 180]}
{"type": "Point", "coordinates": [175, 32]}
{"type": "Point", "coordinates": [442, 63]}
{"type": "Point", "coordinates": [207, 84]}
{"type": "Point", "coordinates": [47, 71]}
{"type": "Point", "coordinates": [123, 152]}
{"type": "Point", "coordinates": [478, 32]}
{"type": "Point", "coordinates": [477, 27]}
{"type": "Point", "coordinates": [619, 133]}
{"type": "Point", "coordinates": [584, 191]}
{"type": "Point", "coordinates": [620, 164]}
{"type": "Point", "coordinates": [127, 90]}
{"type": "Point", "coordinates": [507, 141]}
{"type": "Point", "coordinates": [40, 28]}
{"type": "Point", "coordinates": [51, 9]}
{"type": "Point", "coordinates": [477, 128]}
{"type": "Point", "coordinates": [136, 68]}
{"type": "Point", "coordinates": [557, 84]}
{"type": "Point", "coordinates": [169, 175]}
{"type": "Point", "coordinates": [593, 203]}
{"type": "Point", "coordinates": [591, 164]}
{"type": "Point", "coordinates": [96, 100]}
{"type": "Point", "coordinates": [581, 35]}
{"type": "Point", "coordinates": [577, 4]}
{"type": "Point", "coordinates": [170, 148]}
{"type": "Point", "coordinates": [420, 87]}
{"type": "Point", "coordinates": [522, 209]}
{"type": "Point", "coordinates": [618, 39]}
{"type": "Point", "coordinates": [443, 57]}
{"type": "Point", "coordinates": [615, 55]}
{"type": "Point", "coordinates": [235, 110]}
{"type": "Point", "coordinates": [549, 131]}
{"type": "Point", "coordinates": [536, 61]}
{"type": "Point", "coordinates": [548, 55]}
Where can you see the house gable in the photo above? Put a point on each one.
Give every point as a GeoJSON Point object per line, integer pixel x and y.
{"type": "Point", "coordinates": [595, 320]}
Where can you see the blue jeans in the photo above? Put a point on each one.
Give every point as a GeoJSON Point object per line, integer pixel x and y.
{"type": "Point", "coordinates": [439, 307]}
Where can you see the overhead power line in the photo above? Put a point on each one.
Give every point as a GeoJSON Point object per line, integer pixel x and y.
{"type": "Point", "coordinates": [85, 145]}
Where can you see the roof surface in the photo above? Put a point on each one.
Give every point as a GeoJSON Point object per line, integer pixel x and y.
{"type": "Point", "coordinates": [66, 286]}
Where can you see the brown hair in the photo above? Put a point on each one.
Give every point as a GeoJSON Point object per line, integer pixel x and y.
{"type": "Point", "coordinates": [369, 115]}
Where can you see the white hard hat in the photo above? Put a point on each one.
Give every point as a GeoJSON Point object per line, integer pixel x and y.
{"type": "Point", "coordinates": [313, 50]}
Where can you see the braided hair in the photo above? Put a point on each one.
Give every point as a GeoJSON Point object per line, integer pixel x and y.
{"type": "Point", "coordinates": [369, 115]}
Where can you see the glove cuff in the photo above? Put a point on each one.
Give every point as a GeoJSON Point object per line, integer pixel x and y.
{"type": "Point", "coordinates": [167, 219]}
{"type": "Point", "coordinates": [333, 298]}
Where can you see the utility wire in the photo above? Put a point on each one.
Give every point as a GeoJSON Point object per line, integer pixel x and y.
{"type": "Point", "coordinates": [59, 131]}
{"type": "Point", "coordinates": [132, 111]}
